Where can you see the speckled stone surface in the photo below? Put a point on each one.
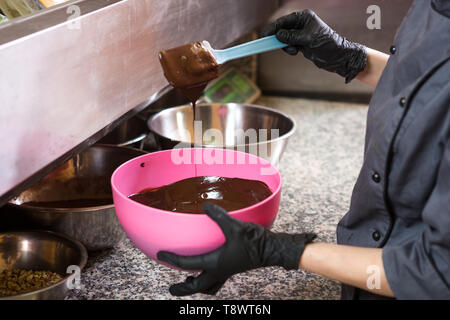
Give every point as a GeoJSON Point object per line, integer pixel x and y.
{"type": "Point", "coordinates": [319, 169]}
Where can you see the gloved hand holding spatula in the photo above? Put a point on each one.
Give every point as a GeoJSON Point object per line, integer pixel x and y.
{"type": "Point", "coordinates": [194, 64]}
{"type": "Point", "coordinates": [306, 32]}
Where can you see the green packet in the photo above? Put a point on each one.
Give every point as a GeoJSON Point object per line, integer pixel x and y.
{"type": "Point", "coordinates": [3, 18]}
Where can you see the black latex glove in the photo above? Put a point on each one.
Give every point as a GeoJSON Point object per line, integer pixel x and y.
{"type": "Point", "coordinates": [247, 246]}
{"type": "Point", "coordinates": [306, 32]}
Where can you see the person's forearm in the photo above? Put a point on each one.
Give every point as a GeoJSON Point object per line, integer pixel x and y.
{"type": "Point", "coordinates": [376, 62]}
{"type": "Point", "coordinates": [355, 266]}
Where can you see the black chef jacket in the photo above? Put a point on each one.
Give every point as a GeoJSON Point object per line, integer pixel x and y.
{"type": "Point", "coordinates": [401, 200]}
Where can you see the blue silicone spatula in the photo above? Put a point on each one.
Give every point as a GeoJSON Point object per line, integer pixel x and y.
{"type": "Point", "coordinates": [247, 49]}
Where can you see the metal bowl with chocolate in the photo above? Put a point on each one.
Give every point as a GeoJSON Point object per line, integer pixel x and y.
{"type": "Point", "coordinates": [75, 199]}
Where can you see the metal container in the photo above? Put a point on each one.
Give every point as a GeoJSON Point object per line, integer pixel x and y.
{"type": "Point", "coordinates": [42, 250]}
{"type": "Point", "coordinates": [240, 127]}
{"type": "Point", "coordinates": [86, 176]}
{"type": "Point", "coordinates": [131, 134]}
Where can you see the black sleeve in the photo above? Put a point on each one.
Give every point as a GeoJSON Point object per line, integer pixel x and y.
{"type": "Point", "coordinates": [420, 269]}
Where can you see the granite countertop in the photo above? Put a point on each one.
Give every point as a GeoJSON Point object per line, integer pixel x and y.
{"type": "Point", "coordinates": [319, 169]}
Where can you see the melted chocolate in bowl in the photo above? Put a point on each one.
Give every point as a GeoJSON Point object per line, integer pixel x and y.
{"type": "Point", "coordinates": [73, 193]}
{"type": "Point", "coordinates": [189, 68]}
{"type": "Point", "coordinates": [189, 195]}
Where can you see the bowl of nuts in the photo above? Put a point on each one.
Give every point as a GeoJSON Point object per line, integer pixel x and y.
{"type": "Point", "coordinates": [39, 265]}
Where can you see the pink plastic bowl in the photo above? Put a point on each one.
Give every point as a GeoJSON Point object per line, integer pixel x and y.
{"type": "Point", "coordinates": [152, 230]}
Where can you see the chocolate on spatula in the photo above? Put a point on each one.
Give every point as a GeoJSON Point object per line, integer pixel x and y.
{"type": "Point", "coordinates": [189, 68]}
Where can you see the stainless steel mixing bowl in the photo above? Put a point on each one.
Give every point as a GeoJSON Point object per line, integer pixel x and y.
{"type": "Point", "coordinates": [131, 133]}
{"type": "Point", "coordinates": [39, 251]}
{"type": "Point", "coordinates": [237, 126]}
{"type": "Point", "coordinates": [86, 176]}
